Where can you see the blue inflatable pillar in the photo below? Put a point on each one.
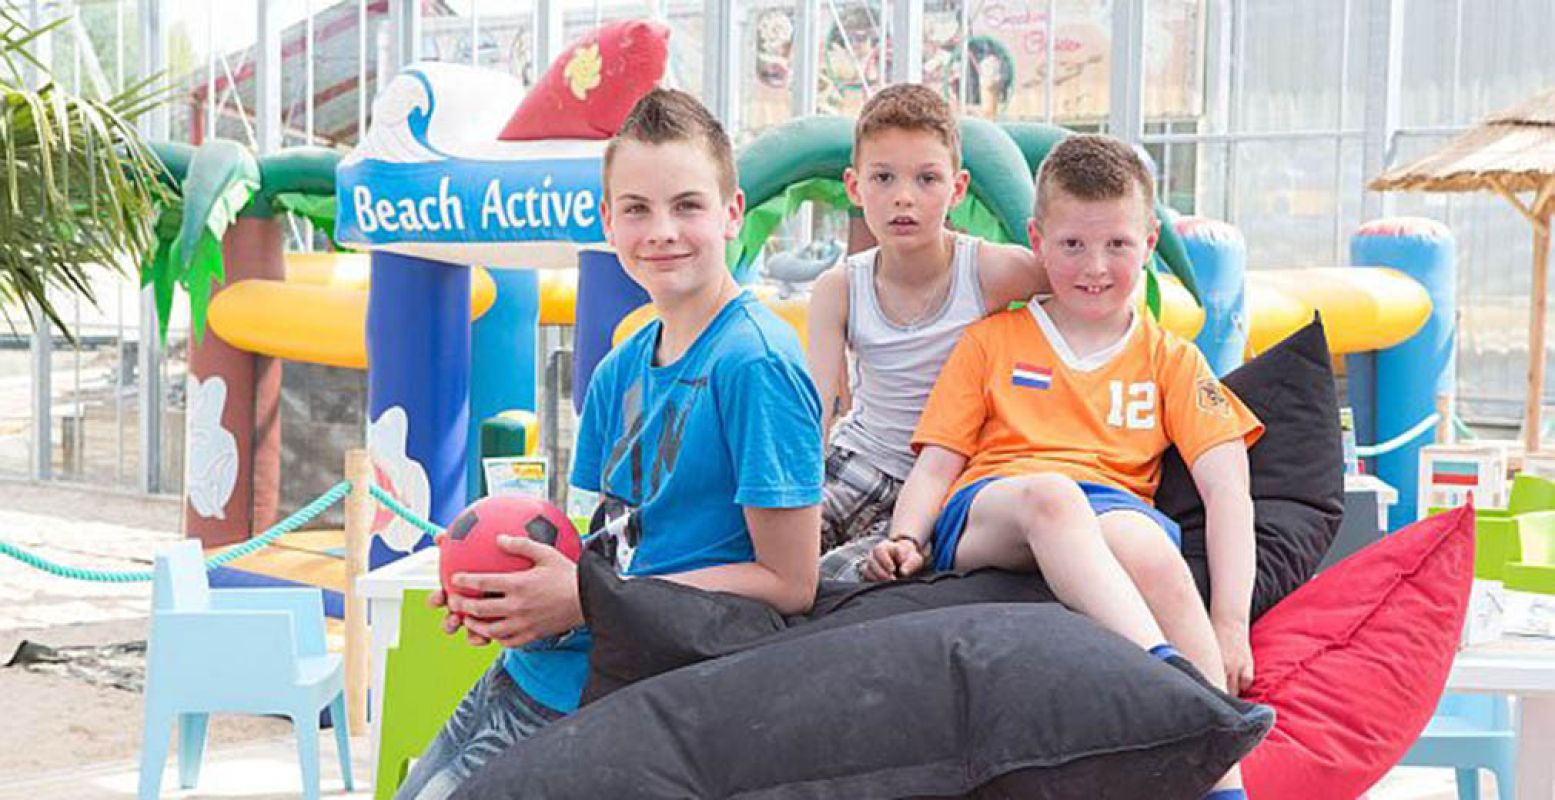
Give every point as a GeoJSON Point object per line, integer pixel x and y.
{"type": "Point", "coordinates": [606, 294]}
{"type": "Point", "coordinates": [1414, 378]}
{"type": "Point", "coordinates": [1219, 257]}
{"type": "Point", "coordinates": [418, 394]}
{"type": "Point", "coordinates": [502, 358]}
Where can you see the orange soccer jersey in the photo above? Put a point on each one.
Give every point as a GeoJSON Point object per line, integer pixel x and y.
{"type": "Point", "coordinates": [1015, 400]}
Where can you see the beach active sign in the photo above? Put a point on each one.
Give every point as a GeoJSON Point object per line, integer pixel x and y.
{"type": "Point", "coordinates": [454, 200]}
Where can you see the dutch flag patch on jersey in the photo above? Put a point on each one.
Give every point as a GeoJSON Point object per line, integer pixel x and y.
{"type": "Point", "coordinates": [1031, 377]}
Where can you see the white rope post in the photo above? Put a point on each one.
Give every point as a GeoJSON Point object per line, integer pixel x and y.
{"type": "Point", "coordinates": [359, 521]}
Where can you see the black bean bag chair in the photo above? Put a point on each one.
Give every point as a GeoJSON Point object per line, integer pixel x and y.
{"type": "Point", "coordinates": [1297, 469]}
{"type": "Point", "coordinates": [986, 700]}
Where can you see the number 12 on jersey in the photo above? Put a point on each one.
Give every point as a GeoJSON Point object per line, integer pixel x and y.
{"type": "Point", "coordinates": [1136, 411]}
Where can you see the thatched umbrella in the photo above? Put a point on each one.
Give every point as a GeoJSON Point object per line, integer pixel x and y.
{"type": "Point", "coordinates": [1511, 153]}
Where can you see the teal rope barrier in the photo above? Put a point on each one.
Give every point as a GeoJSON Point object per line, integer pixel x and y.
{"type": "Point", "coordinates": [285, 526]}
{"type": "Point", "coordinates": [1463, 429]}
{"type": "Point", "coordinates": [1420, 428]}
{"type": "Point", "coordinates": [427, 526]}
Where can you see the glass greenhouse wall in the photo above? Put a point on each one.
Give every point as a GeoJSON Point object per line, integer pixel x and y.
{"type": "Point", "coordinates": [1270, 114]}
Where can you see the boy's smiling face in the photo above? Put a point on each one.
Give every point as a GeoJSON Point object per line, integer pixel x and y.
{"type": "Point", "coordinates": [1094, 252]}
{"type": "Point", "coordinates": [667, 219]}
{"type": "Point", "coordinates": [906, 184]}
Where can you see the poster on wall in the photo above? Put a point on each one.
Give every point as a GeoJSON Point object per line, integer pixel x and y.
{"type": "Point", "coordinates": [1006, 59]}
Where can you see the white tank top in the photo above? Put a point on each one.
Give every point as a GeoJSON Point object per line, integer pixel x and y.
{"type": "Point", "coordinates": [894, 367]}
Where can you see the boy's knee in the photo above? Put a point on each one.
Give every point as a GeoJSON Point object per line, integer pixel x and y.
{"type": "Point", "coordinates": [1050, 493]}
{"type": "Point", "coordinates": [1164, 575]}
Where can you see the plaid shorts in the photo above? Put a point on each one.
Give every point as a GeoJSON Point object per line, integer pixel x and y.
{"type": "Point", "coordinates": [856, 505]}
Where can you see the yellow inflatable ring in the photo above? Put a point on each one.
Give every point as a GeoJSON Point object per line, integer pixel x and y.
{"type": "Point", "coordinates": [1363, 309]}
{"type": "Point", "coordinates": [318, 317]}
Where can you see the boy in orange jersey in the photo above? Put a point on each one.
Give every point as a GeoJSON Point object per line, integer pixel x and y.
{"type": "Point", "coordinates": [1040, 446]}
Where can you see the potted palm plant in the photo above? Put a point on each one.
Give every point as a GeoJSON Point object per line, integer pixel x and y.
{"type": "Point", "coordinates": [79, 189]}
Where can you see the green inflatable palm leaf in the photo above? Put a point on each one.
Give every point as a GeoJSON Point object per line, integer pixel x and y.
{"type": "Point", "coordinates": [223, 177]}
{"type": "Point", "coordinates": [973, 217]}
{"type": "Point", "coordinates": [316, 209]}
{"type": "Point", "coordinates": [299, 180]}
{"type": "Point", "coordinates": [762, 220]}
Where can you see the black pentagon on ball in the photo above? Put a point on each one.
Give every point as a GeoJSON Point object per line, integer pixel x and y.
{"type": "Point", "coordinates": [542, 530]}
{"type": "Point", "coordinates": [463, 524]}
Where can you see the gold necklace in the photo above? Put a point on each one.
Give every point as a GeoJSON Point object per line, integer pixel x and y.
{"type": "Point", "coordinates": [928, 308]}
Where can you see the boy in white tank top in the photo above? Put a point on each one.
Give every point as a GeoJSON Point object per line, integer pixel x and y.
{"type": "Point", "coordinates": [897, 310]}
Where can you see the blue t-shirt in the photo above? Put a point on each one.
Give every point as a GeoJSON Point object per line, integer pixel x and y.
{"type": "Point", "coordinates": [676, 453]}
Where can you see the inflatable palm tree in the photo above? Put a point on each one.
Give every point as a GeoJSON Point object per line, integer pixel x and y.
{"type": "Point", "coordinates": [225, 227]}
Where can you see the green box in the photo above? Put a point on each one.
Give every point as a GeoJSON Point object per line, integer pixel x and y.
{"type": "Point", "coordinates": [1495, 542]}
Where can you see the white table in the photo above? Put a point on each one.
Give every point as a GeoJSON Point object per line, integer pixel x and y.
{"type": "Point", "coordinates": [1524, 667]}
{"type": "Point", "coordinates": [383, 589]}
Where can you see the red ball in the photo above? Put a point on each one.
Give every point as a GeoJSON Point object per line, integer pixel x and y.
{"type": "Point", "coordinates": [471, 541]}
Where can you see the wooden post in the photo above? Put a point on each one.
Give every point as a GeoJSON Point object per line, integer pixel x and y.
{"type": "Point", "coordinates": [359, 521]}
{"type": "Point", "coordinates": [1533, 413]}
{"type": "Point", "coordinates": [1445, 409]}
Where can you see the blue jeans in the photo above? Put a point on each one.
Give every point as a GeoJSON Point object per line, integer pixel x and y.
{"type": "Point", "coordinates": [495, 715]}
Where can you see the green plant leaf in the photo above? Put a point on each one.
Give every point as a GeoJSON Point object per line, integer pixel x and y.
{"type": "Point", "coordinates": [78, 187]}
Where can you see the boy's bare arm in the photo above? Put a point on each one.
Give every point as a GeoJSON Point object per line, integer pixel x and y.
{"type": "Point", "coordinates": [1221, 476]}
{"type": "Point", "coordinates": [1009, 273]}
{"type": "Point", "coordinates": [917, 506]}
{"type": "Point", "coordinates": [784, 574]}
{"type": "Point", "coordinates": [826, 355]}
{"type": "Point", "coordinates": [918, 503]}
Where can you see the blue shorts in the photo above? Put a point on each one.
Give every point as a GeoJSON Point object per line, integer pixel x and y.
{"type": "Point", "coordinates": [1103, 498]}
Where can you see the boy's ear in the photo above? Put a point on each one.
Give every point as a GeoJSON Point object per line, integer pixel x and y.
{"type": "Point", "coordinates": [1034, 233]}
{"type": "Point", "coordinates": [850, 182]}
{"type": "Point", "coordinates": [604, 220]}
{"type": "Point", "coordinates": [736, 210]}
{"type": "Point", "coordinates": [963, 180]}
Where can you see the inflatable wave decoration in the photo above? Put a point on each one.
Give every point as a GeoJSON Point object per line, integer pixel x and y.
{"type": "Point", "coordinates": [431, 178]}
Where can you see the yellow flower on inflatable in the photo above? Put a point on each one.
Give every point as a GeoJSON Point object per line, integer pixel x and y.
{"type": "Point", "coordinates": [582, 71]}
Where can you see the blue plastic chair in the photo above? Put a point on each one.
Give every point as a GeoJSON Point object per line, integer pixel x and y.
{"type": "Point", "coordinates": [1470, 732]}
{"type": "Point", "coordinates": [256, 651]}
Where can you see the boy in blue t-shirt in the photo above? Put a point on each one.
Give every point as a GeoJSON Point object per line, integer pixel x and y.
{"type": "Point", "coordinates": [701, 433]}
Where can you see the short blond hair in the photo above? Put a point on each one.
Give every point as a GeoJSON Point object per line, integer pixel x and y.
{"type": "Point", "coordinates": [670, 115]}
{"type": "Point", "coordinates": [909, 107]}
{"type": "Point", "coordinates": [1093, 167]}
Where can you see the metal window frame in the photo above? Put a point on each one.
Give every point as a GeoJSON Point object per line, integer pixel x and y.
{"type": "Point", "coordinates": [905, 33]}
{"type": "Point", "coordinates": [720, 62]}
{"type": "Point", "coordinates": [41, 452]}
{"type": "Point", "coordinates": [806, 50]}
{"type": "Point", "coordinates": [1384, 78]}
{"type": "Point", "coordinates": [267, 79]}
{"type": "Point", "coordinates": [1126, 79]}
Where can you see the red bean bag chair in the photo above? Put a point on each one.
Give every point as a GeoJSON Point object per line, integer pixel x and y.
{"type": "Point", "coordinates": [1355, 660]}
